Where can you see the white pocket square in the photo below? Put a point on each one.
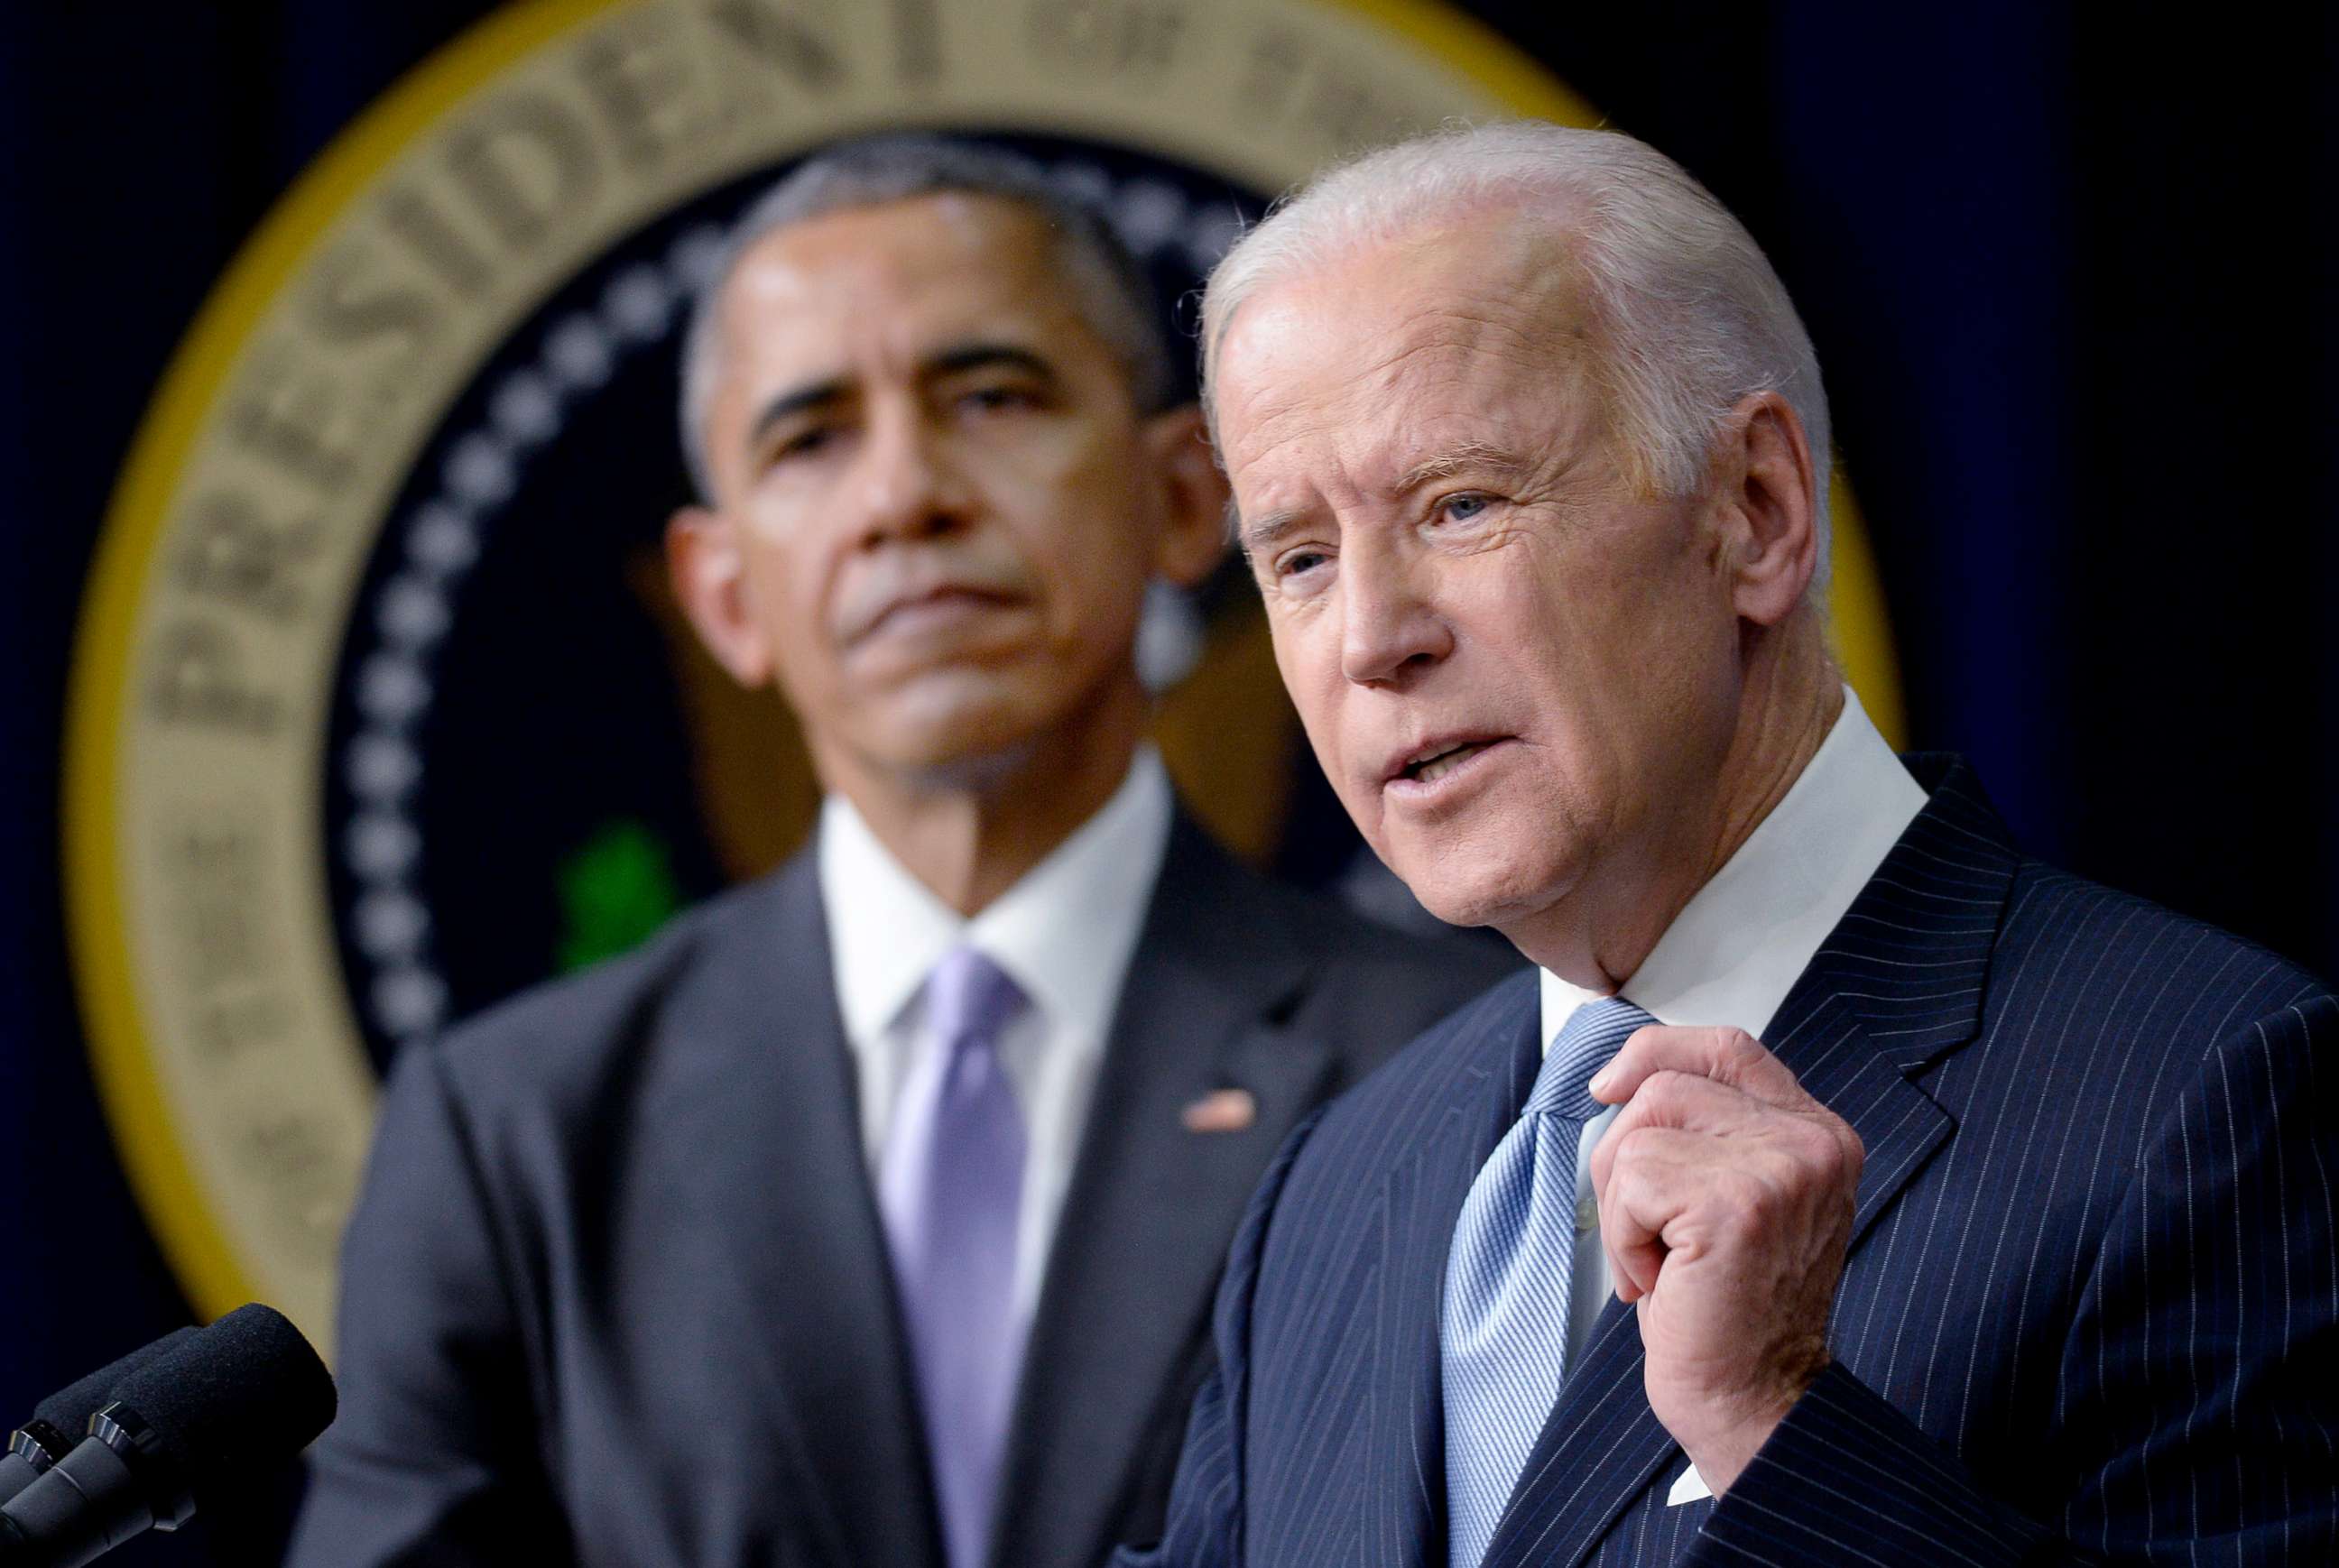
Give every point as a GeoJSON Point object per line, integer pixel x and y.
{"type": "Point", "coordinates": [1688, 1487]}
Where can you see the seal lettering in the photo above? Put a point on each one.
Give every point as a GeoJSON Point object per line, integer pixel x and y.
{"type": "Point", "coordinates": [645, 88]}
{"type": "Point", "coordinates": [1124, 38]}
{"type": "Point", "coordinates": [525, 163]}
{"type": "Point", "coordinates": [198, 679]}
{"type": "Point", "coordinates": [773, 35]}
{"type": "Point", "coordinates": [233, 556]}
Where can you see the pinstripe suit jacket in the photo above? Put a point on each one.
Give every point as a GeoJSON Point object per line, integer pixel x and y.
{"type": "Point", "coordinates": [2089, 1312]}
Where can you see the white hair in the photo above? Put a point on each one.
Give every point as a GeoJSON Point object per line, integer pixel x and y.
{"type": "Point", "coordinates": [1692, 316]}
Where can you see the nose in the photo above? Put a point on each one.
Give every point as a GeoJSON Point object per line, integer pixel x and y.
{"type": "Point", "coordinates": [908, 487]}
{"type": "Point", "coordinates": [1389, 627]}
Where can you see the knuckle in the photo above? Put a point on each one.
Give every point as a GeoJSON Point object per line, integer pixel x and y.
{"type": "Point", "coordinates": [1821, 1144]}
{"type": "Point", "coordinates": [1737, 1055]}
{"type": "Point", "coordinates": [1837, 1150]}
{"type": "Point", "coordinates": [1817, 1144]}
{"type": "Point", "coordinates": [1632, 1147]}
{"type": "Point", "coordinates": [1742, 1193]}
{"type": "Point", "coordinates": [1660, 1093]}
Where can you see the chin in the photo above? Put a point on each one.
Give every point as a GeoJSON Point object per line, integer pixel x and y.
{"type": "Point", "coordinates": [979, 736]}
{"type": "Point", "coordinates": [973, 771]}
{"type": "Point", "coordinates": [1475, 884]}
{"type": "Point", "coordinates": [1456, 905]}
{"type": "Point", "coordinates": [949, 714]}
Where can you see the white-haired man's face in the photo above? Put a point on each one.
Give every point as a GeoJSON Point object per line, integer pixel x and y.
{"type": "Point", "coordinates": [1518, 668]}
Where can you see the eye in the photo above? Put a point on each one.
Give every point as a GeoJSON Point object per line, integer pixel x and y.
{"type": "Point", "coordinates": [1464, 506]}
{"type": "Point", "coordinates": [802, 443]}
{"type": "Point", "coordinates": [1299, 562]}
{"type": "Point", "coordinates": [999, 398]}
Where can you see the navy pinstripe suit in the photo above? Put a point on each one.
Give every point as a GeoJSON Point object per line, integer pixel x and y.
{"type": "Point", "coordinates": [2089, 1312]}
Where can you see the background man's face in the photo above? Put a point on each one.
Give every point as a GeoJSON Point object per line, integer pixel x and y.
{"type": "Point", "coordinates": [945, 506]}
{"type": "Point", "coordinates": [1452, 556]}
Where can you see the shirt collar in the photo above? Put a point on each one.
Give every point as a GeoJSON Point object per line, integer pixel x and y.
{"type": "Point", "coordinates": [1744, 939]}
{"type": "Point", "coordinates": [1064, 932]}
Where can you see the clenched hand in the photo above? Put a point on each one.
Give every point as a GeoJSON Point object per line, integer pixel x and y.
{"type": "Point", "coordinates": [1726, 1207]}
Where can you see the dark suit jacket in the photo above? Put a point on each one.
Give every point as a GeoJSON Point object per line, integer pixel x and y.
{"type": "Point", "coordinates": [2090, 1311]}
{"type": "Point", "coordinates": [616, 1289]}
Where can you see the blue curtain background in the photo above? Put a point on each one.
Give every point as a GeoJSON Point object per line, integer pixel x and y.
{"type": "Point", "coordinates": [2070, 275]}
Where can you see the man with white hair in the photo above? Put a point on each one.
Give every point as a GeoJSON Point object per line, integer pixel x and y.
{"type": "Point", "coordinates": [1847, 1188]}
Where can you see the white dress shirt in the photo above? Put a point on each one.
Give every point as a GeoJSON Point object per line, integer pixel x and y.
{"type": "Point", "coordinates": [1744, 939]}
{"type": "Point", "coordinates": [1064, 933]}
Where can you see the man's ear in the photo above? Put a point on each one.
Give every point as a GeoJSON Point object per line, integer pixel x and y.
{"type": "Point", "coordinates": [709, 574]}
{"type": "Point", "coordinates": [1768, 495]}
{"type": "Point", "coordinates": [1193, 537]}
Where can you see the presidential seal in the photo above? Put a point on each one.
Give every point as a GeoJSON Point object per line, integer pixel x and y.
{"type": "Point", "coordinates": [380, 708]}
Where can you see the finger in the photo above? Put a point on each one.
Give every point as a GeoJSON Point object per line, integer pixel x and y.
{"type": "Point", "coordinates": [1668, 1190]}
{"type": "Point", "coordinates": [1654, 1180]}
{"type": "Point", "coordinates": [1636, 1251]}
{"type": "Point", "coordinates": [1724, 1054]}
{"type": "Point", "coordinates": [1683, 1101]}
{"type": "Point", "coordinates": [1729, 1129]}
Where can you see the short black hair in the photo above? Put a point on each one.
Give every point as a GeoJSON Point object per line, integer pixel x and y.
{"type": "Point", "coordinates": [1119, 301]}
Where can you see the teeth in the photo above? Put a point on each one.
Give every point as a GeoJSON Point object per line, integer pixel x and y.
{"type": "Point", "coordinates": [1444, 763]}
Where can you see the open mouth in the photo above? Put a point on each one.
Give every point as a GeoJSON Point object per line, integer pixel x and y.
{"type": "Point", "coordinates": [1435, 764]}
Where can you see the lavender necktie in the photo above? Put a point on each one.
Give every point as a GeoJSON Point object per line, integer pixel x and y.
{"type": "Point", "coordinates": [951, 1188]}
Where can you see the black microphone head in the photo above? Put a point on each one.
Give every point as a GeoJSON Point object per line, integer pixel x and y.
{"type": "Point", "coordinates": [70, 1408]}
{"type": "Point", "coordinates": [245, 1393]}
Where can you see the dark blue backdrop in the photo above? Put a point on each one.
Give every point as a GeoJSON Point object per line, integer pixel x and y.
{"type": "Point", "coordinates": [2070, 278]}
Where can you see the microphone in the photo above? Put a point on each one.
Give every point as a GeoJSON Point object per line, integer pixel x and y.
{"type": "Point", "coordinates": [59, 1421]}
{"type": "Point", "coordinates": [236, 1398]}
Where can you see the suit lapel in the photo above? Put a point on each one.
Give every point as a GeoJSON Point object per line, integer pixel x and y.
{"type": "Point", "coordinates": [1897, 984]}
{"type": "Point", "coordinates": [1150, 1206]}
{"type": "Point", "coordinates": [768, 1149]}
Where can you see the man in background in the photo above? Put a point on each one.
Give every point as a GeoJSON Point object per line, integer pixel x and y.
{"type": "Point", "coordinates": [1847, 1189]}
{"type": "Point", "coordinates": [870, 1214]}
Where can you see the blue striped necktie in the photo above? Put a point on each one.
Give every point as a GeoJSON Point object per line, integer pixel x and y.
{"type": "Point", "coordinates": [1503, 1329]}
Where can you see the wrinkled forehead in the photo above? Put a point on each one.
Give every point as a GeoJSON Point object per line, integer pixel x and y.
{"type": "Point", "coordinates": [1371, 360]}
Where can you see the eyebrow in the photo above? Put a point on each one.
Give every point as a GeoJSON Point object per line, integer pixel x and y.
{"type": "Point", "coordinates": [980, 356]}
{"type": "Point", "coordinates": [1444, 464]}
{"type": "Point", "coordinates": [956, 360]}
{"type": "Point", "coordinates": [795, 401]}
{"type": "Point", "coordinates": [1255, 536]}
